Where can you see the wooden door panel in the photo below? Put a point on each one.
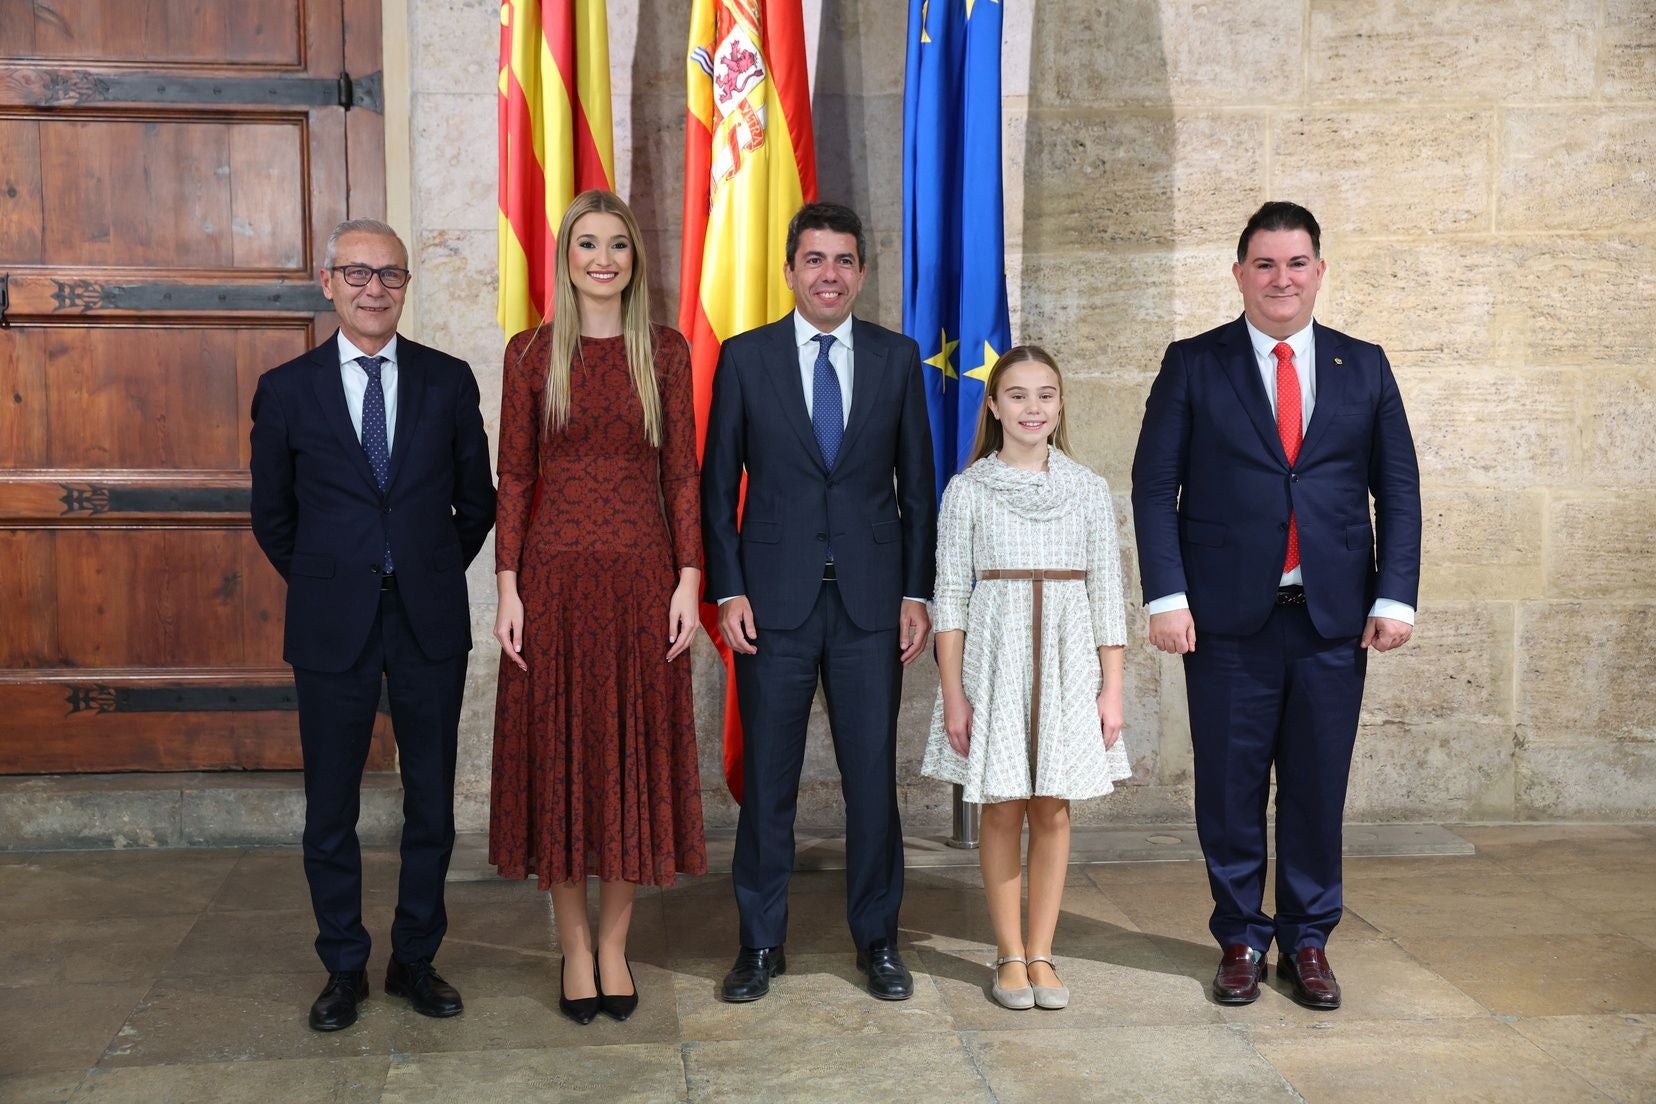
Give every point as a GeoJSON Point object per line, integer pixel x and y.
{"type": "Point", "coordinates": [168, 172]}
{"type": "Point", "coordinates": [155, 32]}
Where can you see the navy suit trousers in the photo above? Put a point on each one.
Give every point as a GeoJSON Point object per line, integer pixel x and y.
{"type": "Point", "coordinates": [1284, 697]}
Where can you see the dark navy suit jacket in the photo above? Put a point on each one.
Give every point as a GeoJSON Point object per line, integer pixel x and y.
{"type": "Point", "coordinates": [321, 519]}
{"type": "Point", "coordinates": [879, 504]}
{"type": "Point", "coordinates": [1213, 490]}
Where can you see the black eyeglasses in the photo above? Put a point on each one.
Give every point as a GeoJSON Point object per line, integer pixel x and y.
{"type": "Point", "coordinates": [391, 277]}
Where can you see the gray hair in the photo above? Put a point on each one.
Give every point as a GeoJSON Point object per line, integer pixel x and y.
{"type": "Point", "coordinates": [360, 226]}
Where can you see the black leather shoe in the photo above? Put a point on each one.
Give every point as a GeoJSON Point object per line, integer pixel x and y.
{"type": "Point", "coordinates": [337, 1006]}
{"type": "Point", "coordinates": [615, 1007]}
{"type": "Point", "coordinates": [583, 1010]}
{"type": "Point", "coordinates": [888, 978]}
{"type": "Point", "coordinates": [424, 987]}
{"type": "Point", "coordinates": [749, 979]}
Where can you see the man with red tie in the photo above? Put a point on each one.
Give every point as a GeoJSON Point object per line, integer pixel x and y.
{"type": "Point", "coordinates": [1263, 442]}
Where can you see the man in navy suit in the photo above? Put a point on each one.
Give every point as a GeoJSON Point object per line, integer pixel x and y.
{"type": "Point", "coordinates": [371, 494]}
{"type": "Point", "coordinates": [1263, 442]}
{"type": "Point", "coordinates": [826, 578]}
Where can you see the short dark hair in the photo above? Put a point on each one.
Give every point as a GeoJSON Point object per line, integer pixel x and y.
{"type": "Point", "coordinates": [827, 216]}
{"type": "Point", "coordinates": [1280, 215]}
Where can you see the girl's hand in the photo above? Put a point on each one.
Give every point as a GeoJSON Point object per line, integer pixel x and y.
{"type": "Point", "coordinates": [509, 627]}
{"type": "Point", "coordinates": [681, 619]}
{"type": "Point", "coordinates": [1110, 719]}
{"type": "Point", "coordinates": [957, 721]}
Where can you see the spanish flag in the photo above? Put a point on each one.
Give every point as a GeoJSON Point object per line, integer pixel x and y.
{"type": "Point", "coordinates": [555, 139]}
{"type": "Point", "coordinates": [749, 164]}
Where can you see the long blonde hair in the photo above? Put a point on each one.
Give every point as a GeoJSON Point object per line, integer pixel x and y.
{"type": "Point", "coordinates": [990, 435]}
{"type": "Point", "coordinates": [635, 318]}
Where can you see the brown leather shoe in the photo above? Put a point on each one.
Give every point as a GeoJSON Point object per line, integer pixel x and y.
{"type": "Point", "coordinates": [1240, 971]}
{"type": "Point", "coordinates": [1311, 977]}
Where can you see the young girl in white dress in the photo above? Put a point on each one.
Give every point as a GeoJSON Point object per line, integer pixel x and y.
{"type": "Point", "coordinates": [1030, 639]}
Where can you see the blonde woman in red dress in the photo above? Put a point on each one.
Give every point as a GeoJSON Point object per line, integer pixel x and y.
{"type": "Point", "coordinates": [598, 564]}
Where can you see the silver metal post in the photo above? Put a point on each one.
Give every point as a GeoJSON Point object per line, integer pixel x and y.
{"type": "Point", "coordinates": [965, 832]}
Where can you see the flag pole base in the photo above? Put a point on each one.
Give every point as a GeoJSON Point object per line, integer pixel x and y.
{"type": "Point", "coordinates": [964, 834]}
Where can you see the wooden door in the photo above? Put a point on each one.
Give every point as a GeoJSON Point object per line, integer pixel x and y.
{"type": "Point", "coordinates": [169, 172]}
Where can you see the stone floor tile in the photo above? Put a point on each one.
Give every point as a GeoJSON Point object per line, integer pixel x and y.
{"type": "Point", "coordinates": [92, 885]}
{"type": "Point", "coordinates": [277, 942]}
{"type": "Point", "coordinates": [832, 1070]}
{"type": "Point", "coordinates": [1601, 890]}
{"type": "Point", "coordinates": [1126, 1064]}
{"type": "Point", "coordinates": [62, 1027]}
{"type": "Point", "coordinates": [1127, 980]}
{"type": "Point", "coordinates": [709, 926]}
{"type": "Point", "coordinates": [1378, 981]}
{"type": "Point", "coordinates": [54, 1087]}
{"type": "Point", "coordinates": [1543, 848]}
{"type": "Point", "coordinates": [68, 950]}
{"type": "Point", "coordinates": [1108, 876]}
{"type": "Point", "coordinates": [1445, 1062]}
{"type": "Point", "coordinates": [1633, 923]}
{"type": "Point", "coordinates": [1616, 1054]}
{"type": "Point", "coordinates": [336, 1080]}
{"type": "Point", "coordinates": [1489, 905]}
{"type": "Point", "coordinates": [1182, 913]}
{"type": "Point", "coordinates": [1545, 975]}
{"type": "Point", "coordinates": [821, 996]}
{"type": "Point", "coordinates": [269, 878]}
{"type": "Point", "coordinates": [635, 1073]}
{"type": "Point", "coordinates": [1416, 866]}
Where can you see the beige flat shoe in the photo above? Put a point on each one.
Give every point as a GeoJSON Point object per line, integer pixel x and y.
{"type": "Point", "coordinates": [1049, 996]}
{"type": "Point", "coordinates": [1015, 999]}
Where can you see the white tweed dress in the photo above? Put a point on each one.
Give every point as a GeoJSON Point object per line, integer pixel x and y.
{"type": "Point", "coordinates": [997, 518]}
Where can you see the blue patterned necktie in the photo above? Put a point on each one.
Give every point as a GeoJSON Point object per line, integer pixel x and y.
{"type": "Point", "coordinates": [827, 404]}
{"type": "Point", "coordinates": [375, 440]}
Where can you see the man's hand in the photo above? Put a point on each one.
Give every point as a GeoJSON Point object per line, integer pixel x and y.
{"type": "Point", "coordinates": [1385, 633]}
{"type": "Point", "coordinates": [913, 626]}
{"type": "Point", "coordinates": [1174, 632]}
{"type": "Point", "coordinates": [736, 625]}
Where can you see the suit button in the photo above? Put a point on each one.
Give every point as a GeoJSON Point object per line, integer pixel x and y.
{"type": "Point", "coordinates": [387, 510]}
{"type": "Point", "coordinates": [822, 536]}
{"type": "Point", "coordinates": [1291, 479]}
{"type": "Point", "coordinates": [1283, 527]}
{"type": "Point", "coordinates": [375, 568]}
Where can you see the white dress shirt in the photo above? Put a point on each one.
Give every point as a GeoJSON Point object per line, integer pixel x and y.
{"type": "Point", "coordinates": [839, 355]}
{"type": "Point", "coordinates": [1305, 367]}
{"type": "Point", "coordinates": [355, 378]}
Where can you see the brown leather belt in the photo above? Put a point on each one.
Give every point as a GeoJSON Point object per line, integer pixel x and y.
{"type": "Point", "coordinates": [1036, 576]}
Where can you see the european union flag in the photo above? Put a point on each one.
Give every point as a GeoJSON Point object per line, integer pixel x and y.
{"type": "Point", "coordinates": [954, 244]}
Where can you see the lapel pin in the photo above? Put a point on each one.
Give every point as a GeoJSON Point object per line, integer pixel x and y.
{"type": "Point", "coordinates": [1337, 360]}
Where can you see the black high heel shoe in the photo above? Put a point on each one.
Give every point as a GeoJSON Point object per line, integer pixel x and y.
{"type": "Point", "coordinates": [617, 1007]}
{"type": "Point", "coordinates": [582, 1010]}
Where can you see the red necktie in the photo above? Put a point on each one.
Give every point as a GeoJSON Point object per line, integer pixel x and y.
{"type": "Point", "coordinates": [1292, 430]}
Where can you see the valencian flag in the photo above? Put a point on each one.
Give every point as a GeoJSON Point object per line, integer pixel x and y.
{"type": "Point", "coordinates": [555, 139]}
{"type": "Point", "coordinates": [954, 246]}
{"type": "Point", "coordinates": [749, 163]}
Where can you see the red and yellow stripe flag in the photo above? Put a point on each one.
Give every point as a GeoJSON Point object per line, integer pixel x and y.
{"type": "Point", "coordinates": [555, 139]}
{"type": "Point", "coordinates": [749, 164]}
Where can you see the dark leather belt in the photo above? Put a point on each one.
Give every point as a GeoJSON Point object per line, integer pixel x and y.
{"type": "Point", "coordinates": [388, 581]}
{"type": "Point", "coordinates": [1290, 596]}
{"type": "Point", "coordinates": [1037, 576]}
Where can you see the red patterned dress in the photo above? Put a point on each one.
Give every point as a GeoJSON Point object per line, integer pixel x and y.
{"type": "Point", "coordinates": [595, 767]}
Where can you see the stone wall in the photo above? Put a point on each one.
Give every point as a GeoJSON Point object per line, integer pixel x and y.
{"type": "Point", "coordinates": [1483, 173]}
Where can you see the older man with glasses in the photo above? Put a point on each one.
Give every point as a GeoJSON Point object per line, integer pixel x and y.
{"type": "Point", "coordinates": [371, 494]}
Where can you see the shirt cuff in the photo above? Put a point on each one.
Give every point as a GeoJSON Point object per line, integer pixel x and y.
{"type": "Point", "coordinates": [1167, 603]}
{"type": "Point", "coordinates": [732, 598]}
{"type": "Point", "coordinates": [1396, 611]}
{"type": "Point", "coordinates": [912, 598]}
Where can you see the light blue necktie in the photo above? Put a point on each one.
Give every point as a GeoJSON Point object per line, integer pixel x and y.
{"type": "Point", "coordinates": [374, 436]}
{"type": "Point", "coordinates": [827, 404]}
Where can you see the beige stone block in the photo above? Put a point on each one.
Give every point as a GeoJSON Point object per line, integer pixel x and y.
{"type": "Point", "coordinates": [1450, 768]}
{"type": "Point", "coordinates": [647, 43]}
{"type": "Point", "coordinates": [454, 161]}
{"type": "Point", "coordinates": [1480, 543]}
{"type": "Point", "coordinates": [456, 286]}
{"type": "Point", "coordinates": [1541, 301]}
{"type": "Point", "coordinates": [1014, 186]}
{"type": "Point", "coordinates": [1376, 172]}
{"type": "Point", "coordinates": [1506, 427]}
{"type": "Point", "coordinates": [1104, 415]}
{"type": "Point", "coordinates": [1616, 1054]}
{"type": "Point", "coordinates": [1017, 46]}
{"type": "Point", "coordinates": [1619, 420]}
{"type": "Point", "coordinates": [1628, 50]}
{"type": "Point", "coordinates": [455, 46]}
{"type": "Point", "coordinates": [1584, 675]}
{"type": "Point", "coordinates": [649, 154]}
{"type": "Point", "coordinates": [629, 1073]}
{"type": "Point", "coordinates": [1561, 169]}
{"type": "Point", "coordinates": [861, 49]}
{"type": "Point", "coordinates": [1601, 546]}
{"type": "Point", "coordinates": [1139, 179]}
{"type": "Point", "coordinates": [1457, 666]}
{"type": "Point", "coordinates": [1457, 50]}
{"type": "Point", "coordinates": [1165, 51]}
{"type": "Point", "coordinates": [1587, 777]}
{"type": "Point", "coordinates": [1115, 313]}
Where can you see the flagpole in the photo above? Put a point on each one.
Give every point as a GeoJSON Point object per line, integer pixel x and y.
{"type": "Point", "coordinates": [964, 834]}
